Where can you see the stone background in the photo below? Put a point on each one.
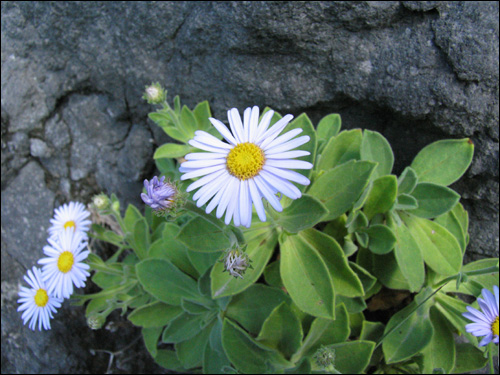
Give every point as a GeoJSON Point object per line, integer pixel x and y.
{"type": "Point", "coordinates": [73, 122]}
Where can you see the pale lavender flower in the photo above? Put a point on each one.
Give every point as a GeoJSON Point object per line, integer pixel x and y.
{"type": "Point", "coordinates": [160, 195]}
{"type": "Point", "coordinates": [486, 322]}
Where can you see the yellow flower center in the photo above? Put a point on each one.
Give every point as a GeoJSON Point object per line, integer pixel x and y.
{"type": "Point", "coordinates": [65, 261]}
{"type": "Point", "coordinates": [41, 298]}
{"type": "Point", "coordinates": [245, 160]}
{"type": "Point", "coordinates": [69, 224]}
{"type": "Point", "coordinates": [494, 326]}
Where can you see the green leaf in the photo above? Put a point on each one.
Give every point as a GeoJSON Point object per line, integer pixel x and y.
{"type": "Point", "coordinates": [303, 122]}
{"type": "Point", "coordinates": [352, 357]}
{"type": "Point", "coordinates": [282, 330]}
{"type": "Point", "coordinates": [303, 213]}
{"type": "Point", "coordinates": [329, 126]}
{"type": "Point", "coordinates": [440, 249]}
{"type": "Point", "coordinates": [341, 149]}
{"type": "Point", "coordinates": [196, 308]}
{"type": "Point", "coordinates": [475, 283]}
{"type": "Point", "coordinates": [259, 250]}
{"type": "Point", "coordinates": [189, 123]}
{"type": "Point", "coordinates": [382, 238]}
{"type": "Point", "coordinates": [151, 336]}
{"type": "Point", "coordinates": [185, 326]}
{"type": "Point", "coordinates": [443, 162]}
{"type": "Point", "coordinates": [450, 221]}
{"type": "Point", "coordinates": [172, 150]}
{"type": "Point", "coordinates": [306, 277]}
{"type": "Point", "coordinates": [106, 235]}
{"type": "Point", "coordinates": [214, 361]}
{"type": "Point", "coordinates": [405, 202]}
{"type": "Point", "coordinates": [190, 352]}
{"type": "Point", "coordinates": [468, 358]}
{"type": "Point", "coordinates": [440, 353]}
{"type": "Point", "coordinates": [386, 269]}
{"type": "Point", "coordinates": [202, 112]}
{"type": "Point", "coordinates": [164, 281]}
{"type": "Point", "coordinates": [325, 332]}
{"type": "Point", "coordinates": [340, 187]}
{"type": "Point", "coordinates": [366, 278]}
{"type": "Point", "coordinates": [132, 214]}
{"type": "Point", "coordinates": [409, 258]}
{"type": "Point", "coordinates": [407, 181]}
{"type": "Point", "coordinates": [156, 314]}
{"type": "Point", "coordinates": [251, 307]}
{"type": "Point", "coordinates": [356, 220]}
{"type": "Point", "coordinates": [246, 354]}
{"type": "Point", "coordinates": [382, 196]}
{"type": "Point", "coordinates": [345, 280]}
{"type": "Point", "coordinates": [201, 235]}
{"type": "Point", "coordinates": [141, 238]}
{"type": "Point", "coordinates": [412, 335]}
{"type": "Point", "coordinates": [374, 147]}
{"type": "Point", "coordinates": [433, 200]}
{"type": "Point", "coordinates": [372, 331]}
{"type": "Point", "coordinates": [272, 274]}
{"type": "Point", "coordinates": [303, 367]}
{"type": "Point", "coordinates": [168, 359]}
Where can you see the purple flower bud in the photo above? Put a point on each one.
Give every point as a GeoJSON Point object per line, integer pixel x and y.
{"type": "Point", "coordinates": [160, 195]}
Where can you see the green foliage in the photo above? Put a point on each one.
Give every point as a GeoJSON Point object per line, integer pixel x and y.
{"type": "Point", "coordinates": [359, 240]}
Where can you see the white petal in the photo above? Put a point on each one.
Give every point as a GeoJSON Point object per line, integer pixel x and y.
{"type": "Point", "coordinates": [235, 123]}
{"type": "Point", "coordinates": [282, 185]}
{"type": "Point", "coordinates": [246, 123]}
{"type": "Point", "coordinates": [288, 154]}
{"type": "Point", "coordinates": [274, 131]}
{"type": "Point", "coordinates": [287, 174]}
{"type": "Point", "coordinates": [257, 200]}
{"type": "Point", "coordinates": [267, 192]}
{"type": "Point", "coordinates": [211, 148]}
{"type": "Point", "coordinates": [244, 203]}
{"type": "Point", "coordinates": [207, 191]}
{"type": "Point", "coordinates": [204, 155]}
{"type": "Point", "coordinates": [204, 180]}
{"type": "Point", "coordinates": [203, 163]}
{"type": "Point", "coordinates": [264, 124]}
{"type": "Point", "coordinates": [221, 128]}
{"type": "Point", "coordinates": [227, 197]}
{"type": "Point", "coordinates": [232, 206]}
{"type": "Point", "coordinates": [284, 137]}
{"type": "Point", "coordinates": [288, 145]}
{"type": "Point", "coordinates": [209, 139]}
{"type": "Point", "coordinates": [290, 164]}
{"type": "Point", "coordinates": [201, 172]}
{"type": "Point", "coordinates": [254, 122]}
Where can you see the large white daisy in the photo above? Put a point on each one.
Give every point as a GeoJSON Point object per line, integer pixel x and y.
{"type": "Point", "coordinates": [64, 265]}
{"type": "Point", "coordinates": [72, 215]}
{"type": "Point", "coordinates": [36, 302]}
{"type": "Point", "coordinates": [485, 322]}
{"type": "Point", "coordinates": [255, 163]}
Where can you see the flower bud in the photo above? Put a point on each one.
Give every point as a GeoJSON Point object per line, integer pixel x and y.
{"type": "Point", "coordinates": [324, 357]}
{"type": "Point", "coordinates": [101, 202]}
{"type": "Point", "coordinates": [96, 321]}
{"type": "Point", "coordinates": [163, 197]}
{"type": "Point", "coordinates": [236, 262]}
{"type": "Point", "coordinates": [155, 94]}
{"type": "Point", "coordinates": [115, 206]}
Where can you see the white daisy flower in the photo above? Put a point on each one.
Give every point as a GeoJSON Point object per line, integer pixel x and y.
{"type": "Point", "coordinates": [72, 215]}
{"type": "Point", "coordinates": [255, 163]}
{"type": "Point", "coordinates": [64, 266]}
{"type": "Point", "coordinates": [486, 322]}
{"type": "Point", "coordinates": [36, 302]}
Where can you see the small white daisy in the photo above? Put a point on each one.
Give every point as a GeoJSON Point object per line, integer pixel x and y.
{"type": "Point", "coordinates": [37, 303]}
{"type": "Point", "coordinates": [255, 163]}
{"type": "Point", "coordinates": [64, 266]}
{"type": "Point", "coordinates": [486, 322]}
{"type": "Point", "coordinates": [72, 215]}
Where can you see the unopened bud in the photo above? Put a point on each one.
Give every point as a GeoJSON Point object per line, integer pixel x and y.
{"type": "Point", "coordinates": [101, 202]}
{"type": "Point", "coordinates": [155, 94]}
{"type": "Point", "coordinates": [96, 321]}
{"type": "Point", "coordinates": [115, 206]}
{"type": "Point", "coordinates": [236, 262]}
{"type": "Point", "coordinates": [324, 357]}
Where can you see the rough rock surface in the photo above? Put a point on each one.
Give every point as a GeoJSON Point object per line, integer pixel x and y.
{"type": "Point", "coordinates": [73, 122]}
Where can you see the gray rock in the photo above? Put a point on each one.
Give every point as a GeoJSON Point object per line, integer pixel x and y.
{"type": "Point", "coordinates": [73, 74]}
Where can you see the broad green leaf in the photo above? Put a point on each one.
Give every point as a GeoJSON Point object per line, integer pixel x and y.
{"type": "Point", "coordinates": [405, 202]}
{"type": "Point", "coordinates": [151, 336]}
{"type": "Point", "coordinates": [345, 280]}
{"type": "Point", "coordinates": [325, 332]}
{"type": "Point", "coordinates": [188, 121]}
{"type": "Point", "coordinates": [440, 249]}
{"type": "Point", "coordinates": [141, 238]}
{"type": "Point", "coordinates": [475, 283]}
{"type": "Point", "coordinates": [196, 308]}
{"type": "Point", "coordinates": [251, 307]}
{"type": "Point", "coordinates": [176, 133]}
{"type": "Point", "coordinates": [409, 258]}
{"type": "Point", "coordinates": [172, 150]}
{"type": "Point", "coordinates": [190, 352]}
{"type": "Point", "coordinates": [303, 122]}
{"type": "Point", "coordinates": [203, 261]}
{"type": "Point", "coordinates": [414, 333]}
{"type": "Point", "coordinates": [356, 221]}
{"type": "Point", "coordinates": [433, 200]}
{"type": "Point", "coordinates": [462, 216]}
{"type": "Point", "coordinates": [272, 274]}
{"type": "Point", "coordinates": [372, 331]}
{"type": "Point", "coordinates": [201, 235]}
{"type": "Point", "coordinates": [450, 221]}
{"type": "Point", "coordinates": [156, 314]}
{"type": "Point", "coordinates": [353, 305]}
{"type": "Point", "coordinates": [282, 330]}
{"type": "Point", "coordinates": [340, 187]}
{"type": "Point", "coordinates": [202, 112]}
{"type": "Point", "coordinates": [329, 126]}
{"type": "Point", "coordinates": [303, 367]}
{"type": "Point", "coordinates": [259, 250]}
{"type": "Point", "coordinates": [340, 149]}
{"type": "Point", "coordinates": [366, 278]}
{"type": "Point", "coordinates": [164, 281]}
{"type": "Point", "coordinates": [306, 277]}
{"type": "Point", "coordinates": [468, 358]}
{"type": "Point", "coordinates": [362, 239]}
{"type": "Point", "coordinates": [374, 147]}
{"type": "Point", "coordinates": [168, 359]}
{"type": "Point", "coordinates": [106, 235]}
{"type": "Point", "coordinates": [352, 357]}
{"type": "Point", "coordinates": [214, 361]}
{"type": "Point", "coordinates": [162, 119]}
{"type": "Point", "coordinates": [381, 238]}
{"type": "Point", "coordinates": [386, 269]}
{"type": "Point", "coordinates": [443, 162]}
{"type": "Point", "coordinates": [407, 181]}
{"type": "Point", "coordinates": [132, 214]}
{"type": "Point", "coordinates": [382, 196]}
{"type": "Point", "coordinates": [303, 213]}
{"type": "Point", "coordinates": [246, 354]}
{"type": "Point", "coordinates": [440, 353]}
{"type": "Point", "coordinates": [184, 327]}
{"type": "Point", "coordinates": [177, 105]}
